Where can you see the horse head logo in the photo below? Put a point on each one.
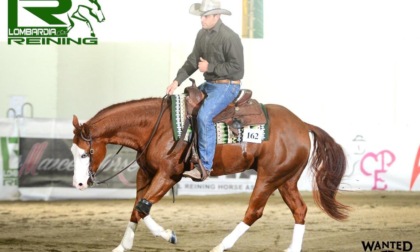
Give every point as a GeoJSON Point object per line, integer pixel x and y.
{"type": "Point", "coordinates": [78, 9]}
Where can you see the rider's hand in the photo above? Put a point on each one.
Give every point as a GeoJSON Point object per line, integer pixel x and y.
{"type": "Point", "coordinates": [203, 65]}
{"type": "Point", "coordinates": [171, 88]}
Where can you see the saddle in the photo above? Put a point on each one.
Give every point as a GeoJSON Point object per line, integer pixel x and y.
{"type": "Point", "coordinates": [243, 111]}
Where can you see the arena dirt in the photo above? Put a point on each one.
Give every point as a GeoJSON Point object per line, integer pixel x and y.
{"type": "Point", "coordinates": [202, 222]}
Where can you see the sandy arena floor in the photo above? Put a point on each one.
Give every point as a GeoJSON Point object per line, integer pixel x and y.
{"type": "Point", "coordinates": [202, 222]}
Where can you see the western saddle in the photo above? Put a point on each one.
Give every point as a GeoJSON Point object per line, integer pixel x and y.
{"type": "Point", "coordinates": [243, 111]}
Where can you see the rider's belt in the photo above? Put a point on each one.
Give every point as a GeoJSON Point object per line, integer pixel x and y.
{"type": "Point", "coordinates": [226, 81]}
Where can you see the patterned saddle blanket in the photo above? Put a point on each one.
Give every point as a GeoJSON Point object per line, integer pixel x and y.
{"type": "Point", "coordinates": [226, 134]}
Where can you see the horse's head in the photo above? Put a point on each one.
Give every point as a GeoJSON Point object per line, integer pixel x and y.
{"type": "Point", "coordinates": [96, 11]}
{"type": "Point", "coordinates": [88, 153]}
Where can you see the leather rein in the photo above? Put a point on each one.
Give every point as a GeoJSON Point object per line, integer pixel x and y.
{"type": "Point", "coordinates": [92, 175]}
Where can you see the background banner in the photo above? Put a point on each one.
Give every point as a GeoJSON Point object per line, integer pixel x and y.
{"type": "Point", "coordinates": [9, 158]}
{"type": "Point", "coordinates": [49, 163]}
{"type": "Point", "coordinates": [36, 164]}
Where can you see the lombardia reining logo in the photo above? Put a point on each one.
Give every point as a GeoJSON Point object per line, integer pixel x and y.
{"type": "Point", "coordinates": [47, 22]}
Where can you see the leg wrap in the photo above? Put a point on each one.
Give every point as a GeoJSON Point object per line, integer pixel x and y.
{"type": "Point", "coordinates": [127, 241]}
{"type": "Point", "coordinates": [144, 207]}
{"type": "Point", "coordinates": [230, 240]}
{"type": "Point", "coordinates": [297, 239]}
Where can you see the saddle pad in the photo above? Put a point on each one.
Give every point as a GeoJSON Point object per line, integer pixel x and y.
{"type": "Point", "coordinates": [253, 133]}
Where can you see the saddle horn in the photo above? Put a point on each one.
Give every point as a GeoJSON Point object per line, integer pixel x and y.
{"type": "Point", "coordinates": [193, 82]}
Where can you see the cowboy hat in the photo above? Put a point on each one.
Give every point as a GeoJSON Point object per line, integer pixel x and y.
{"type": "Point", "coordinates": [208, 7]}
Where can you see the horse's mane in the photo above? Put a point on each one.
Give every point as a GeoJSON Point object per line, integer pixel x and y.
{"type": "Point", "coordinates": [123, 104]}
{"type": "Point", "coordinates": [127, 113]}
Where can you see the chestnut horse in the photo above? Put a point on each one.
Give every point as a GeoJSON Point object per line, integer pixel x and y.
{"type": "Point", "coordinates": [145, 125]}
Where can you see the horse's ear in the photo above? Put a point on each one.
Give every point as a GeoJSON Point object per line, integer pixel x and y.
{"type": "Point", "coordinates": [85, 131]}
{"type": "Point", "coordinates": [76, 123]}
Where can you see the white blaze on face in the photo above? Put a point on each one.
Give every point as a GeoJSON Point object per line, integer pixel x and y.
{"type": "Point", "coordinates": [81, 167]}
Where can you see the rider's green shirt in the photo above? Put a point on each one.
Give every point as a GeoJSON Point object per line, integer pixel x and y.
{"type": "Point", "coordinates": [222, 48]}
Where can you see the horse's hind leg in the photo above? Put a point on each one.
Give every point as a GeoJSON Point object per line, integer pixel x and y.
{"type": "Point", "coordinates": [260, 195]}
{"type": "Point", "coordinates": [294, 201]}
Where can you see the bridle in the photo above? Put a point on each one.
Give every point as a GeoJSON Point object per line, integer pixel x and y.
{"type": "Point", "coordinates": [92, 174]}
{"type": "Point", "coordinates": [92, 181]}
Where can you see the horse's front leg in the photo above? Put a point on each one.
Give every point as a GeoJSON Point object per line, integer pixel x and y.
{"type": "Point", "coordinates": [154, 190]}
{"type": "Point", "coordinates": [143, 183]}
{"type": "Point", "coordinates": [160, 185]}
{"type": "Point", "coordinates": [157, 230]}
{"type": "Point", "coordinates": [128, 238]}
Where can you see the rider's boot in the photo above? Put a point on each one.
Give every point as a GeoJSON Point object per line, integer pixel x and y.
{"type": "Point", "coordinates": [199, 173]}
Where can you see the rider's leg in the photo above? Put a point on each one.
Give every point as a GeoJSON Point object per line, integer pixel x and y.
{"type": "Point", "coordinates": [218, 98]}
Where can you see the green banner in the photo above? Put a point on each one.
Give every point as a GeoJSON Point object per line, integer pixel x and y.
{"type": "Point", "coordinates": [9, 147]}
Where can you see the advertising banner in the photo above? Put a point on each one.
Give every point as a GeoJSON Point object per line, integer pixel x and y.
{"type": "Point", "coordinates": [47, 165]}
{"type": "Point", "coordinates": [383, 159]}
{"type": "Point", "coordinates": [37, 164]}
{"type": "Point", "coordinates": [9, 149]}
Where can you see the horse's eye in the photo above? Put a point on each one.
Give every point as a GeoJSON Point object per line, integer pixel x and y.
{"type": "Point", "coordinates": [84, 155]}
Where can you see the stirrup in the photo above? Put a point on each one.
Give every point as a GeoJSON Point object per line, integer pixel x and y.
{"type": "Point", "coordinates": [198, 167]}
{"type": "Point", "coordinates": [204, 173]}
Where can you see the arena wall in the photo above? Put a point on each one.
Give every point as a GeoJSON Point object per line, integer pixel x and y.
{"type": "Point", "coordinates": [36, 164]}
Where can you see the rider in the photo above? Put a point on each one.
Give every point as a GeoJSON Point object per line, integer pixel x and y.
{"type": "Point", "coordinates": [218, 54]}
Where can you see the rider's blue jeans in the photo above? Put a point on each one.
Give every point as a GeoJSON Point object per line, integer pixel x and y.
{"type": "Point", "coordinates": [218, 98]}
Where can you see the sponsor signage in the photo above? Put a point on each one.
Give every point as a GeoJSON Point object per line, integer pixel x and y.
{"type": "Point", "coordinates": [53, 22]}
{"type": "Point", "coordinates": [49, 163]}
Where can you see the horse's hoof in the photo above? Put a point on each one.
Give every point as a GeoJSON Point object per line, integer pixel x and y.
{"type": "Point", "coordinates": [120, 248]}
{"type": "Point", "coordinates": [172, 239]}
{"type": "Point", "coordinates": [93, 34]}
{"type": "Point", "coordinates": [291, 250]}
{"type": "Point", "coordinates": [218, 248]}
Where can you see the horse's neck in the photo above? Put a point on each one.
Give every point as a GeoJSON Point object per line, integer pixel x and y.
{"type": "Point", "coordinates": [130, 126]}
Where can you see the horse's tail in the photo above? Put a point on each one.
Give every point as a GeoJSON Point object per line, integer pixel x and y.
{"type": "Point", "coordinates": [328, 165]}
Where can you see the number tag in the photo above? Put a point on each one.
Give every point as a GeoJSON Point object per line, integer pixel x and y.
{"type": "Point", "coordinates": [252, 135]}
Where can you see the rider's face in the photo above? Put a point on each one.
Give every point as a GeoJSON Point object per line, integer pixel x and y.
{"type": "Point", "coordinates": [209, 21]}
